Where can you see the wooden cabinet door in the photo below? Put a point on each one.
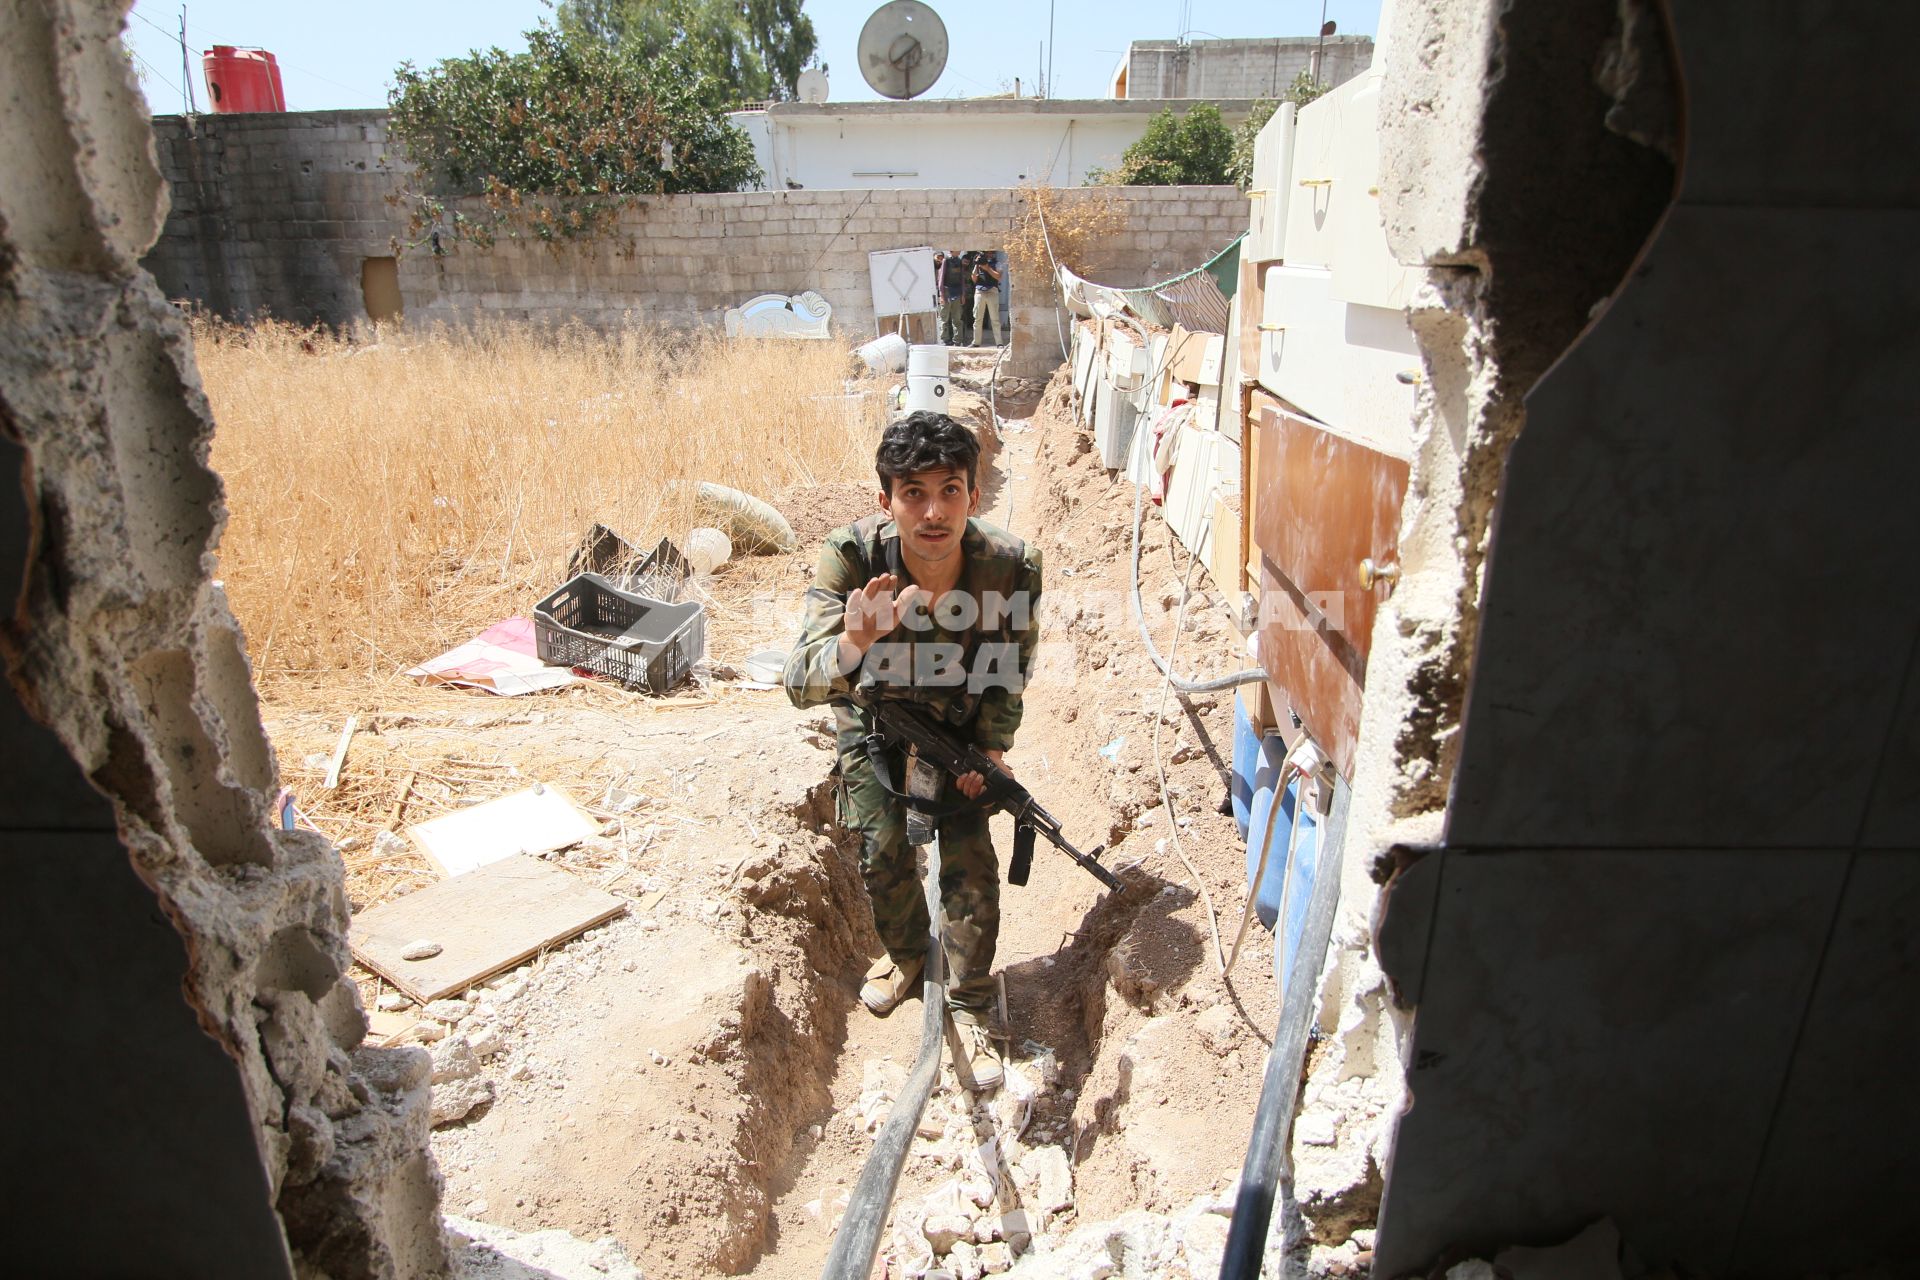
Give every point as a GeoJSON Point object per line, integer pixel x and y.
{"type": "Point", "coordinates": [1323, 505]}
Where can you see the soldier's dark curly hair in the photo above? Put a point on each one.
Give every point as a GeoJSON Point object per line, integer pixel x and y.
{"type": "Point", "coordinates": [925, 441]}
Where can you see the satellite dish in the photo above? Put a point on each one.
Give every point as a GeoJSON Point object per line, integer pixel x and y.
{"type": "Point", "coordinates": [903, 49]}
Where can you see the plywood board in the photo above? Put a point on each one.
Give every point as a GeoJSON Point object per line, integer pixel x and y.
{"type": "Point", "coordinates": [485, 921]}
{"type": "Point", "coordinates": [1185, 351]}
{"type": "Point", "coordinates": [1251, 299]}
{"type": "Point", "coordinates": [538, 820]}
{"type": "Point", "coordinates": [1308, 658]}
{"type": "Point", "coordinates": [1226, 544]}
{"type": "Point", "coordinates": [1322, 505]}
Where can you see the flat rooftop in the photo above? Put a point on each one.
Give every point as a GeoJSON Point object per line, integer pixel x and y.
{"type": "Point", "coordinates": [1004, 107]}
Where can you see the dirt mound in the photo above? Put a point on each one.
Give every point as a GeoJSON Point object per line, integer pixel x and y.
{"type": "Point", "coordinates": [816, 510]}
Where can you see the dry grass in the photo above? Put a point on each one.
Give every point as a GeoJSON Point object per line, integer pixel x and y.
{"type": "Point", "coordinates": [390, 501]}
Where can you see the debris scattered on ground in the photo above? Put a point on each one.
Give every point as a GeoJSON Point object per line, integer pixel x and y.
{"type": "Point", "coordinates": [458, 1087]}
{"type": "Point", "coordinates": [482, 1251]}
{"type": "Point", "coordinates": [389, 1024]}
{"type": "Point", "coordinates": [339, 759]}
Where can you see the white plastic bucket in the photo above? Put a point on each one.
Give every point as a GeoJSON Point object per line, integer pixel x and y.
{"type": "Point", "coordinates": [926, 392]}
{"type": "Point", "coordinates": [885, 354]}
{"type": "Point", "coordinates": [927, 360]}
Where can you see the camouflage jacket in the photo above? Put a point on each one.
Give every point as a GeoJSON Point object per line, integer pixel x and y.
{"type": "Point", "coordinates": [968, 659]}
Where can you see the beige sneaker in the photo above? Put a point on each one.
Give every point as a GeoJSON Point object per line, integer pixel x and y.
{"type": "Point", "coordinates": [983, 1059]}
{"type": "Point", "coordinates": [888, 984]}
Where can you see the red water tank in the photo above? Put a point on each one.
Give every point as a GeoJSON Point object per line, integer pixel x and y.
{"type": "Point", "coordinates": [242, 80]}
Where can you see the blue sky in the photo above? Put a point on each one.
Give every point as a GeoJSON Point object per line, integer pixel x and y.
{"type": "Point", "coordinates": [342, 54]}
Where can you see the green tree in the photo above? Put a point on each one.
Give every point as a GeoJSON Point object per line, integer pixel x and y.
{"type": "Point", "coordinates": [1304, 89]}
{"type": "Point", "coordinates": [1240, 168]}
{"type": "Point", "coordinates": [1193, 149]}
{"type": "Point", "coordinates": [751, 49]}
{"type": "Point", "coordinates": [550, 141]}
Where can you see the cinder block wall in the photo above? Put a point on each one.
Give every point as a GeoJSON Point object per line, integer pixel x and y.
{"type": "Point", "coordinates": [1239, 68]}
{"type": "Point", "coordinates": [681, 261]}
{"type": "Point", "coordinates": [275, 214]}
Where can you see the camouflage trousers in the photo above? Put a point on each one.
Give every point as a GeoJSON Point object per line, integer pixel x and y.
{"type": "Point", "coordinates": [969, 882]}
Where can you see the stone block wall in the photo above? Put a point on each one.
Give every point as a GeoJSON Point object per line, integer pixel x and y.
{"type": "Point", "coordinates": [275, 214]}
{"type": "Point", "coordinates": [681, 261]}
{"type": "Point", "coordinates": [1240, 68]}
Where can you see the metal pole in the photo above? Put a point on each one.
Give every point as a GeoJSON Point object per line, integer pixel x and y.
{"type": "Point", "coordinates": [1046, 89]}
{"type": "Point", "coordinates": [1266, 1163]}
{"type": "Point", "coordinates": [186, 72]}
{"type": "Point", "coordinates": [857, 1241]}
{"type": "Point", "coordinates": [1320, 51]}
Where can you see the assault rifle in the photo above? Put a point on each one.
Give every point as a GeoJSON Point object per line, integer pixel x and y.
{"type": "Point", "coordinates": [899, 723]}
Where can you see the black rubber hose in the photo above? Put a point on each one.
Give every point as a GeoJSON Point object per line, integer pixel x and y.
{"type": "Point", "coordinates": [1260, 1176]}
{"type": "Point", "coordinates": [858, 1239]}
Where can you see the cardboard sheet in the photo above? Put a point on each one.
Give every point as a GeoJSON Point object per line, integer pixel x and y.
{"type": "Point", "coordinates": [538, 820]}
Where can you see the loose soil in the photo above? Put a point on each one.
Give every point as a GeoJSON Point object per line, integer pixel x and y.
{"type": "Point", "coordinates": [697, 1079]}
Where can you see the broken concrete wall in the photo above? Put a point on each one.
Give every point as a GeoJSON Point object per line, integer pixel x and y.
{"type": "Point", "coordinates": [1641, 694]}
{"type": "Point", "coordinates": [118, 644]}
{"type": "Point", "coordinates": [277, 214]}
{"type": "Point", "coordinates": [1502, 175]}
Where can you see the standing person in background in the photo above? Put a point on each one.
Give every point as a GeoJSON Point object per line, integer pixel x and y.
{"type": "Point", "coordinates": [986, 301]}
{"type": "Point", "coordinates": [952, 273]}
{"type": "Point", "coordinates": [966, 301]}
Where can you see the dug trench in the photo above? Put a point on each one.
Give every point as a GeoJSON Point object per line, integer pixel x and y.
{"type": "Point", "coordinates": [696, 1078]}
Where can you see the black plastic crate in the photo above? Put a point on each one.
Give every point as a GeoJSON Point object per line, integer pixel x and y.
{"type": "Point", "coordinates": [640, 642]}
{"type": "Point", "coordinates": [659, 576]}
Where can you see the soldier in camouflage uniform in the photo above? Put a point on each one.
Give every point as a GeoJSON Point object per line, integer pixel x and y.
{"type": "Point", "coordinates": [924, 602]}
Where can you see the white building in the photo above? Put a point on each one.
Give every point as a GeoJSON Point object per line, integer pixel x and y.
{"type": "Point", "coordinates": [947, 142]}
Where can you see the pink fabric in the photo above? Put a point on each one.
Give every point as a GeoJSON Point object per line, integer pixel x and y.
{"type": "Point", "coordinates": [502, 659]}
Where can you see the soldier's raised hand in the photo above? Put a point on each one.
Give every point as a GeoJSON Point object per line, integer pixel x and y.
{"type": "Point", "coordinates": [877, 608]}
